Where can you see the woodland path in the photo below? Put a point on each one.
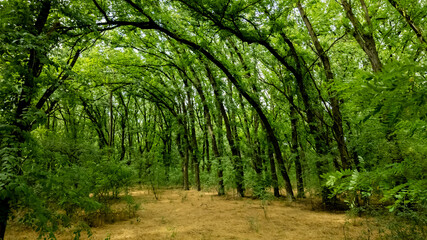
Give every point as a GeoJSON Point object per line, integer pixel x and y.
{"type": "Point", "coordinates": [190, 214]}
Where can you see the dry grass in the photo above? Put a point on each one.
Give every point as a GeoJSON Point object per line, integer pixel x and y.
{"type": "Point", "coordinates": [203, 215]}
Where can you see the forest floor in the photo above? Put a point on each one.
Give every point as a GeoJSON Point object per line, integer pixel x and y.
{"type": "Point", "coordinates": [179, 214]}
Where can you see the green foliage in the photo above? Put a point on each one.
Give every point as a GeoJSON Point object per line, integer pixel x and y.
{"type": "Point", "coordinates": [61, 181]}
{"type": "Point", "coordinates": [400, 186]}
{"type": "Point", "coordinates": [110, 178]}
{"type": "Point", "coordinates": [113, 119]}
{"type": "Point", "coordinates": [352, 185]}
{"type": "Point", "coordinates": [258, 184]}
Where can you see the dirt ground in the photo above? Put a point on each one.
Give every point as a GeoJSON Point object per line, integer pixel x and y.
{"type": "Point", "coordinates": [179, 214]}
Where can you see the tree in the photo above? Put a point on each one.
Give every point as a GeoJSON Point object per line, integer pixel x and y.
{"type": "Point", "coordinates": [331, 91]}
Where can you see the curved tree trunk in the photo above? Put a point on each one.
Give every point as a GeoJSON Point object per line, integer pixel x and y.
{"type": "Point", "coordinates": [365, 39]}
{"type": "Point", "coordinates": [336, 113]}
{"type": "Point", "coordinates": [410, 21]}
{"type": "Point", "coordinates": [211, 133]}
{"type": "Point", "coordinates": [151, 24]}
{"type": "Point", "coordinates": [235, 151]}
{"type": "Point", "coordinates": [194, 147]}
{"type": "Point", "coordinates": [295, 152]}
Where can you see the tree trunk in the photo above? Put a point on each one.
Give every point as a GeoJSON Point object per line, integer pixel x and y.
{"type": "Point", "coordinates": [193, 142]}
{"type": "Point", "coordinates": [295, 152]}
{"type": "Point", "coordinates": [233, 127]}
{"type": "Point", "coordinates": [183, 153]}
{"type": "Point", "coordinates": [274, 179]}
{"type": "Point", "coordinates": [256, 160]}
{"type": "Point", "coordinates": [4, 216]}
{"type": "Point", "coordinates": [410, 21]}
{"type": "Point", "coordinates": [235, 152]}
{"type": "Point", "coordinates": [365, 39]}
{"type": "Point", "coordinates": [207, 147]}
{"type": "Point", "coordinates": [269, 130]}
{"type": "Point", "coordinates": [313, 121]}
{"type": "Point", "coordinates": [110, 133]}
{"type": "Point", "coordinates": [95, 118]}
{"type": "Point", "coordinates": [220, 144]}
{"type": "Point", "coordinates": [336, 113]}
{"type": "Point", "coordinates": [187, 149]}
{"type": "Point", "coordinates": [211, 133]}
{"type": "Point", "coordinates": [29, 86]}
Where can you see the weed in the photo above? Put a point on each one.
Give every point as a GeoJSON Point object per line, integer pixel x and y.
{"type": "Point", "coordinates": [184, 197]}
{"type": "Point", "coordinates": [264, 204]}
{"type": "Point", "coordinates": [108, 237]}
{"type": "Point", "coordinates": [253, 224]}
{"type": "Point", "coordinates": [394, 226]}
{"type": "Point", "coordinates": [163, 220]}
{"type": "Point", "coordinates": [173, 232]}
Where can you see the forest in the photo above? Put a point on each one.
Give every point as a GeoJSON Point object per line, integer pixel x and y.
{"type": "Point", "coordinates": [267, 99]}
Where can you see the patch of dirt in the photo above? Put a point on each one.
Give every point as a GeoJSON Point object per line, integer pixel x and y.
{"type": "Point", "coordinates": [191, 214]}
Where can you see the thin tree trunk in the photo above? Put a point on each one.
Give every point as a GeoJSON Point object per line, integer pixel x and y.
{"type": "Point", "coordinates": [220, 144]}
{"type": "Point", "coordinates": [129, 135]}
{"type": "Point", "coordinates": [274, 179]}
{"type": "Point", "coordinates": [313, 121]}
{"type": "Point", "coordinates": [123, 120]}
{"type": "Point", "coordinates": [269, 130]}
{"type": "Point", "coordinates": [256, 160]}
{"type": "Point", "coordinates": [183, 153]}
{"type": "Point", "coordinates": [211, 133]}
{"type": "Point", "coordinates": [95, 118]}
{"type": "Point", "coordinates": [123, 138]}
{"type": "Point", "coordinates": [187, 148]}
{"type": "Point", "coordinates": [256, 151]}
{"type": "Point", "coordinates": [193, 142]}
{"type": "Point", "coordinates": [336, 113]}
{"type": "Point", "coordinates": [233, 126]}
{"type": "Point", "coordinates": [409, 20]}
{"type": "Point", "coordinates": [295, 152]}
{"type": "Point", "coordinates": [207, 151]}
{"type": "Point", "coordinates": [365, 39]}
{"type": "Point", "coordinates": [236, 158]}
{"type": "Point", "coordinates": [110, 135]}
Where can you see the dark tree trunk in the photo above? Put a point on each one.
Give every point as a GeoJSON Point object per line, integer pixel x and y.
{"type": "Point", "coordinates": [233, 126]}
{"type": "Point", "coordinates": [256, 150]}
{"type": "Point", "coordinates": [151, 24]}
{"type": "Point", "coordinates": [256, 160]}
{"type": "Point", "coordinates": [122, 139]}
{"type": "Point", "coordinates": [183, 153]}
{"type": "Point", "coordinates": [336, 113]}
{"type": "Point", "coordinates": [235, 152]}
{"type": "Point", "coordinates": [4, 216]}
{"type": "Point", "coordinates": [274, 179]}
{"type": "Point", "coordinates": [111, 123]}
{"type": "Point", "coordinates": [410, 21]}
{"type": "Point", "coordinates": [123, 122]}
{"type": "Point", "coordinates": [194, 146]}
{"type": "Point", "coordinates": [29, 87]}
{"type": "Point", "coordinates": [187, 148]}
{"type": "Point", "coordinates": [207, 151]}
{"type": "Point", "coordinates": [96, 119]}
{"type": "Point", "coordinates": [211, 133]}
{"type": "Point", "coordinates": [295, 152]}
{"type": "Point", "coordinates": [313, 121]}
{"type": "Point", "coordinates": [365, 39]}
{"type": "Point", "coordinates": [220, 144]}
{"type": "Point", "coordinates": [185, 169]}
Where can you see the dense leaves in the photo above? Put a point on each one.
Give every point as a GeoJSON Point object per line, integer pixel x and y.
{"type": "Point", "coordinates": [327, 97]}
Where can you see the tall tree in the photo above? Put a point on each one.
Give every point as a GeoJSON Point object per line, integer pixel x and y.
{"type": "Point", "coordinates": [335, 106]}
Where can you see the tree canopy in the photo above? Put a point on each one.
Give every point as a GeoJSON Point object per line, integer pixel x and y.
{"type": "Point", "coordinates": [327, 97]}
